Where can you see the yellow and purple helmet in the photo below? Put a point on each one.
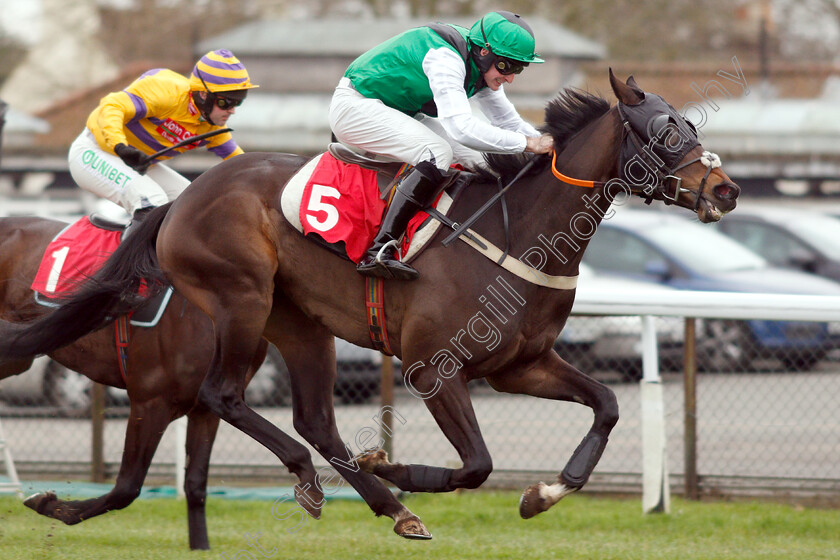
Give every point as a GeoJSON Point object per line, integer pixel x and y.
{"type": "Point", "coordinates": [219, 71]}
{"type": "Point", "coordinates": [224, 80]}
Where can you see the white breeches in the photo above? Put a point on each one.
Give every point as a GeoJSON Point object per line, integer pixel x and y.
{"type": "Point", "coordinates": [105, 175]}
{"type": "Point", "coordinates": [371, 126]}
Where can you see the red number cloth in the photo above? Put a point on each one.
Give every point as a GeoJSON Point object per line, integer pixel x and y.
{"type": "Point", "coordinates": [75, 254]}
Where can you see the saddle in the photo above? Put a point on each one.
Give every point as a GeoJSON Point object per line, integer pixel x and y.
{"type": "Point", "coordinates": [107, 224]}
{"type": "Point", "coordinates": [77, 253]}
{"type": "Point", "coordinates": [338, 199]}
{"type": "Point", "coordinates": [387, 172]}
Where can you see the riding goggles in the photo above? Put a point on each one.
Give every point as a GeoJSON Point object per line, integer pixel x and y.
{"type": "Point", "coordinates": [226, 103]}
{"type": "Point", "coordinates": [506, 66]}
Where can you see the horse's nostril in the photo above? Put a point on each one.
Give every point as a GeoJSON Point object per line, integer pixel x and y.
{"type": "Point", "coordinates": [727, 191]}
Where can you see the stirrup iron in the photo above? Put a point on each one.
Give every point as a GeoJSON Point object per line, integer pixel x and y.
{"type": "Point", "coordinates": [393, 243]}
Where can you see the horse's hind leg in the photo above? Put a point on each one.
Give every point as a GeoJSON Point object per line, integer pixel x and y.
{"type": "Point", "coordinates": [146, 424]}
{"type": "Point", "coordinates": [201, 433]}
{"type": "Point", "coordinates": [309, 352]}
{"type": "Point", "coordinates": [238, 335]}
{"type": "Point", "coordinates": [15, 367]}
{"type": "Point", "coordinates": [553, 378]}
{"type": "Point", "coordinates": [226, 266]}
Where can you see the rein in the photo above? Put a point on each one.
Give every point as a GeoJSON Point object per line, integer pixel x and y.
{"type": "Point", "coordinates": [570, 180]}
{"type": "Point", "coordinates": [499, 256]}
{"type": "Point", "coordinates": [659, 191]}
{"type": "Point", "coordinates": [191, 140]}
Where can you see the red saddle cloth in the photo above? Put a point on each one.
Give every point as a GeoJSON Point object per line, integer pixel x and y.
{"type": "Point", "coordinates": [75, 254]}
{"type": "Point", "coordinates": [341, 204]}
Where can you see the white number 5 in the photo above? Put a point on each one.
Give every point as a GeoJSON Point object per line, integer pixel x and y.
{"type": "Point", "coordinates": [316, 203]}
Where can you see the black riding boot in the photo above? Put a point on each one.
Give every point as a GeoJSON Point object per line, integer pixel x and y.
{"type": "Point", "coordinates": [136, 218]}
{"type": "Point", "coordinates": [413, 194]}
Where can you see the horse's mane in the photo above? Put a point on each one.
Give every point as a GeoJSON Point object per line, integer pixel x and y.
{"type": "Point", "coordinates": [565, 116]}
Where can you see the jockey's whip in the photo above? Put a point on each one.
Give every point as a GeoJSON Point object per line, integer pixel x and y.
{"type": "Point", "coordinates": [461, 228]}
{"type": "Point", "coordinates": [192, 139]}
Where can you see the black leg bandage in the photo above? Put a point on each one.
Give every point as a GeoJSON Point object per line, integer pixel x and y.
{"type": "Point", "coordinates": [429, 479]}
{"type": "Point", "coordinates": [583, 460]}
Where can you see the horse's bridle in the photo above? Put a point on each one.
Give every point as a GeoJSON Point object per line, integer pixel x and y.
{"type": "Point", "coordinates": [668, 185]}
{"type": "Point", "coordinates": [665, 176]}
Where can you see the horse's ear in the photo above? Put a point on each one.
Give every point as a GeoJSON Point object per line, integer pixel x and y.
{"type": "Point", "coordinates": [629, 93]}
{"type": "Point", "coordinates": [631, 81]}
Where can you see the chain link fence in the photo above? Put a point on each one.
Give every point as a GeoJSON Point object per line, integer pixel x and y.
{"type": "Point", "coordinates": [767, 416]}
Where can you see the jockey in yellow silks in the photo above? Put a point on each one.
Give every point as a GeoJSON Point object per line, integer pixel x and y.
{"type": "Point", "coordinates": [158, 110]}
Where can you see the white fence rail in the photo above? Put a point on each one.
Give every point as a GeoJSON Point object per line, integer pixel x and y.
{"type": "Point", "coordinates": [688, 304]}
{"type": "Point", "coordinates": [710, 305]}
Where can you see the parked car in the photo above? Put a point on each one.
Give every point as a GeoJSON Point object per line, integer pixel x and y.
{"type": "Point", "coordinates": [270, 385]}
{"type": "Point", "coordinates": [789, 237]}
{"type": "Point", "coordinates": [358, 380]}
{"type": "Point", "coordinates": [359, 373]}
{"type": "Point", "coordinates": [671, 250]}
{"type": "Point", "coordinates": [593, 343]}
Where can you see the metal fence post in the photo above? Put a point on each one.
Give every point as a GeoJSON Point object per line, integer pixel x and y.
{"type": "Point", "coordinates": [11, 471]}
{"type": "Point", "coordinates": [656, 492]}
{"type": "Point", "coordinates": [97, 423]}
{"type": "Point", "coordinates": [692, 490]}
{"type": "Point", "coordinates": [387, 400]}
{"type": "Point", "coordinates": [3, 108]}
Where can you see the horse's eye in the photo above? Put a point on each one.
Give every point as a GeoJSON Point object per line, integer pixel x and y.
{"type": "Point", "coordinates": [656, 126]}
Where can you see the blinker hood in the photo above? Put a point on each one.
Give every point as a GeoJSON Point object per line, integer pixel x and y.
{"type": "Point", "coordinates": [661, 130]}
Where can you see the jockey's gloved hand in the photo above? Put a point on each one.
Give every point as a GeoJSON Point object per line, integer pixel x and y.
{"type": "Point", "coordinates": [132, 157]}
{"type": "Point", "coordinates": [539, 144]}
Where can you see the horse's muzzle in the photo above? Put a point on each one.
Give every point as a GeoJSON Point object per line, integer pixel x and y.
{"type": "Point", "coordinates": [726, 190]}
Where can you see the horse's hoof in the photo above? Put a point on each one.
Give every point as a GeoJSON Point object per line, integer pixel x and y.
{"type": "Point", "coordinates": [412, 528]}
{"type": "Point", "coordinates": [538, 498]}
{"type": "Point", "coordinates": [40, 501]}
{"type": "Point", "coordinates": [368, 460]}
{"type": "Point", "coordinates": [48, 505]}
{"type": "Point", "coordinates": [532, 503]}
{"type": "Point", "coordinates": [310, 499]}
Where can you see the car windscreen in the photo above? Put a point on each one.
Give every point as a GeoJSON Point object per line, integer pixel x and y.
{"type": "Point", "coordinates": [821, 231]}
{"type": "Point", "coordinates": [701, 248]}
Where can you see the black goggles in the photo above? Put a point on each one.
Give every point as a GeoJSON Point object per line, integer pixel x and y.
{"type": "Point", "coordinates": [506, 66]}
{"type": "Point", "coordinates": [227, 103]}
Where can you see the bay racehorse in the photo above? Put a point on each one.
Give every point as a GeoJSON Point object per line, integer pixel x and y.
{"type": "Point", "coordinates": [225, 246]}
{"type": "Point", "coordinates": [165, 366]}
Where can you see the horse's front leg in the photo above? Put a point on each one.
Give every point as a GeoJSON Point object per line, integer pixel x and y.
{"type": "Point", "coordinates": [550, 377]}
{"type": "Point", "coordinates": [450, 405]}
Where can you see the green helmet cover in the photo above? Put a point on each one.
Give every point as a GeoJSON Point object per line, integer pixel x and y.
{"type": "Point", "coordinates": [505, 34]}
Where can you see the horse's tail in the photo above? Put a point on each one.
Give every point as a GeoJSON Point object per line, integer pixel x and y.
{"type": "Point", "coordinates": [111, 292]}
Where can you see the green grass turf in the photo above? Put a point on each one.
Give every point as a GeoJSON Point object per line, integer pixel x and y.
{"type": "Point", "coordinates": [469, 525]}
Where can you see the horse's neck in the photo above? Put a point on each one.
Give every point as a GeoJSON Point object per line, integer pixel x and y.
{"type": "Point", "coordinates": [560, 218]}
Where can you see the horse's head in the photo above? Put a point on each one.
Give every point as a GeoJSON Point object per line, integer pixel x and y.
{"type": "Point", "coordinates": [662, 159]}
